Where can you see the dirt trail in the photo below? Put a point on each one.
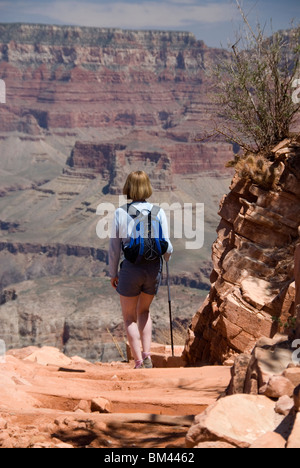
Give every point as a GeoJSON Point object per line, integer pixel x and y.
{"type": "Point", "coordinates": [48, 404]}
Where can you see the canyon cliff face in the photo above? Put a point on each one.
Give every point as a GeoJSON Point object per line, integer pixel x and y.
{"type": "Point", "coordinates": [252, 293]}
{"type": "Point", "coordinates": [70, 77]}
{"type": "Point", "coordinates": [161, 155]}
{"type": "Point", "coordinates": [116, 82]}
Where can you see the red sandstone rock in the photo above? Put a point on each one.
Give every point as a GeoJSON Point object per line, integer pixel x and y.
{"type": "Point", "coordinates": [294, 439]}
{"type": "Point", "coordinates": [268, 441]}
{"type": "Point", "coordinates": [277, 387]}
{"type": "Point", "coordinates": [238, 420]}
{"type": "Point", "coordinates": [101, 405]}
{"type": "Point", "coordinates": [293, 374]}
{"type": "Point", "coordinates": [114, 80]}
{"type": "Point", "coordinates": [253, 260]}
{"type": "Point", "coordinates": [284, 405]}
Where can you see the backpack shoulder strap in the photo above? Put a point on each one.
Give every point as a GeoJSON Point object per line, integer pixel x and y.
{"type": "Point", "coordinates": [131, 210]}
{"type": "Point", "coordinates": [155, 210]}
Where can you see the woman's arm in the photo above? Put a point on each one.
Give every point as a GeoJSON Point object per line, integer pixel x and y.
{"type": "Point", "coordinates": [115, 244]}
{"type": "Point", "coordinates": [165, 230]}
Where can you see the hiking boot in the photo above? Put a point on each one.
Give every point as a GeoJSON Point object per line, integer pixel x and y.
{"type": "Point", "coordinates": [139, 365]}
{"type": "Point", "coordinates": [148, 363]}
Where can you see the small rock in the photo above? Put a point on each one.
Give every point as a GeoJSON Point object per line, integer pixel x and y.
{"type": "Point", "coordinates": [284, 405]}
{"type": "Point", "coordinates": [229, 362]}
{"type": "Point", "coordinates": [7, 442]}
{"type": "Point", "coordinates": [3, 424]}
{"type": "Point", "coordinates": [62, 445]}
{"type": "Point", "coordinates": [293, 374]}
{"type": "Point", "coordinates": [5, 439]}
{"type": "Point", "coordinates": [83, 406]}
{"type": "Point", "coordinates": [42, 445]}
{"type": "Point", "coordinates": [268, 441]}
{"type": "Point", "coordinates": [277, 387]}
{"type": "Point", "coordinates": [101, 405]}
{"type": "Point", "coordinates": [48, 355]}
{"type": "Point", "coordinates": [99, 426]}
{"type": "Point", "coordinates": [238, 374]}
{"type": "Point", "coordinates": [238, 420]}
{"type": "Point", "coordinates": [50, 428]}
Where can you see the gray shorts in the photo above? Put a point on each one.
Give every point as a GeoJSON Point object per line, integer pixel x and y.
{"type": "Point", "coordinates": [135, 279]}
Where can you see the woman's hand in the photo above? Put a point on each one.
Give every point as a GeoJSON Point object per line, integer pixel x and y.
{"type": "Point", "coordinates": [114, 282]}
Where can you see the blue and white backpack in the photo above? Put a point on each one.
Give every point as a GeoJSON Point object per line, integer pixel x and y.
{"type": "Point", "coordinates": [147, 243]}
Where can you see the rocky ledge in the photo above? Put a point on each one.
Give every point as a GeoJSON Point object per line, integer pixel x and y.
{"type": "Point", "coordinates": [253, 290]}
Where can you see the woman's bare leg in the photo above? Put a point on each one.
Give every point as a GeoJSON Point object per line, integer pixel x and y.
{"type": "Point", "coordinates": [129, 310]}
{"type": "Point", "coordinates": [144, 321]}
{"type": "Point", "coordinates": [138, 323]}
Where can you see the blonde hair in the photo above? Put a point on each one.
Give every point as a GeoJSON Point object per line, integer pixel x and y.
{"type": "Point", "coordinates": [137, 186]}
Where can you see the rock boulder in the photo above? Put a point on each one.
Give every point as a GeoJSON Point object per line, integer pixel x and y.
{"type": "Point", "coordinates": [238, 420]}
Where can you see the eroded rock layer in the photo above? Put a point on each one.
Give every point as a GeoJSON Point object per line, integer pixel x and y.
{"type": "Point", "coordinates": [252, 293]}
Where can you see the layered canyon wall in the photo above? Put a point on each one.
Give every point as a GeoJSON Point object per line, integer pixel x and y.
{"type": "Point", "coordinates": [62, 78]}
{"type": "Point", "coordinates": [68, 77]}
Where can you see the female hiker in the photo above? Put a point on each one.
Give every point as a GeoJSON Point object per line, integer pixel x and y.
{"type": "Point", "coordinates": [139, 277]}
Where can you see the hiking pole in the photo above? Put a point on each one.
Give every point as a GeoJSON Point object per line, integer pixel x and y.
{"type": "Point", "coordinates": [170, 308]}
